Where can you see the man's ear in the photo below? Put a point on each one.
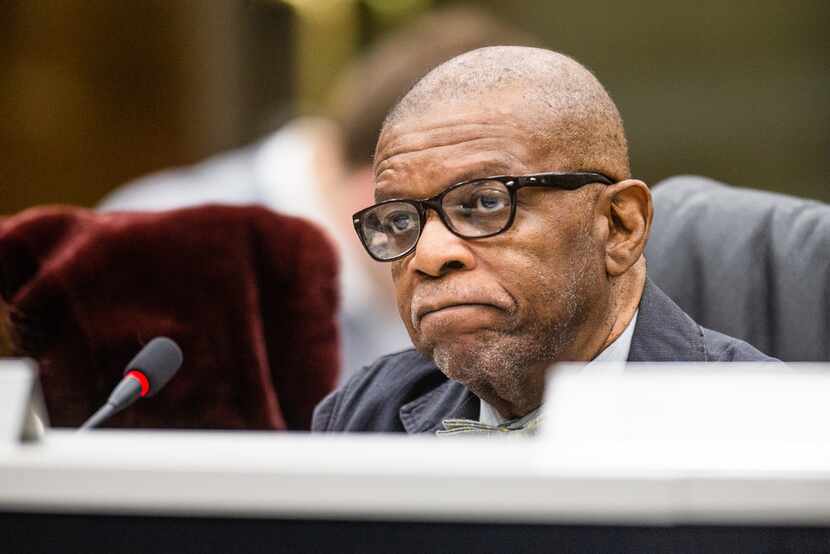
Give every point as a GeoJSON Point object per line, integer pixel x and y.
{"type": "Point", "coordinates": [629, 211]}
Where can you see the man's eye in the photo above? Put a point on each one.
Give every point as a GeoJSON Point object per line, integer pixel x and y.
{"type": "Point", "coordinates": [400, 222]}
{"type": "Point", "coordinates": [490, 202]}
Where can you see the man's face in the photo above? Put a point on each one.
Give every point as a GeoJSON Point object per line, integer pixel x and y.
{"type": "Point", "coordinates": [489, 311]}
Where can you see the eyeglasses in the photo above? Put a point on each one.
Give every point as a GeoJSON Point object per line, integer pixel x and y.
{"type": "Point", "coordinates": [474, 209]}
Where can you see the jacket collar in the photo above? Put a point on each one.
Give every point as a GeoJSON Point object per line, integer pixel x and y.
{"type": "Point", "coordinates": [663, 333]}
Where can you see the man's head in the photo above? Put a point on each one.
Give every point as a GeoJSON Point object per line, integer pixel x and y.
{"type": "Point", "coordinates": [493, 313]}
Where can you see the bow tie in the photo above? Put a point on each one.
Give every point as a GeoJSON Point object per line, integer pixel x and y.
{"type": "Point", "coordinates": [522, 427]}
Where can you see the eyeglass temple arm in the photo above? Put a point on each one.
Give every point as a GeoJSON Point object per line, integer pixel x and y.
{"type": "Point", "coordinates": [567, 181]}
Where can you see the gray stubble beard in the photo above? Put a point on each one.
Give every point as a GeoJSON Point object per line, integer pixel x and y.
{"type": "Point", "coordinates": [499, 361]}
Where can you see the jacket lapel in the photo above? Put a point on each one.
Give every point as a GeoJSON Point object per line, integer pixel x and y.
{"type": "Point", "coordinates": [448, 400]}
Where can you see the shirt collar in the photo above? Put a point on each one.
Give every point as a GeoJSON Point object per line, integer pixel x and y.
{"type": "Point", "coordinates": [612, 358]}
{"type": "Point", "coordinates": [617, 352]}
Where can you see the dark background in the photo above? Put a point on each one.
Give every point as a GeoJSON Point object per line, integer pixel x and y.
{"type": "Point", "coordinates": [93, 92]}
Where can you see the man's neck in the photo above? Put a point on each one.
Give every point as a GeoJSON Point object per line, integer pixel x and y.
{"type": "Point", "coordinates": [606, 319]}
{"type": "Point", "coordinates": [627, 300]}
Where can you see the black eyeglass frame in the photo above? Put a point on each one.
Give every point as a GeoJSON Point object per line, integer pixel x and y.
{"type": "Point", "coordinates": [560, 180]}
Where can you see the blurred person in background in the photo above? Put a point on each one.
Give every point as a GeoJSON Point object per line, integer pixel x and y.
{"type": "Point", "coordinates": [320, 167]}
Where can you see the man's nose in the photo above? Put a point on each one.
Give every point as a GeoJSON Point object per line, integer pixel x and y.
{"type": "Point", "coordinates": [439, 251]}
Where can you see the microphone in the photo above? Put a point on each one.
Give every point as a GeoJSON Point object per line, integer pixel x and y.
{"type": "Point", "coordinates": [145, 375]}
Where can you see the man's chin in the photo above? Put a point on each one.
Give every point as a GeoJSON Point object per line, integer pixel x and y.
{"type": "Point", "coordinates": [486, 370]}
{"type": "Point", "coordinates": [465, 353]}
{"type": "Point", "coordinates": [453, 343]}
{"type": "Point", "coordinates": [489, 360]}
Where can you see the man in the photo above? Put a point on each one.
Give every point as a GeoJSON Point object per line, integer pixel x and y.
{"type": "Point", "coordinates": [496, 279]}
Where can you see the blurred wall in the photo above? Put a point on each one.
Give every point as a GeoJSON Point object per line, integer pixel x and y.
{"type": "Point", "coordinates": [93, 92]}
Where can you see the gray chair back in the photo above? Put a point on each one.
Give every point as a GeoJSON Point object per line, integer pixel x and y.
{"type": "Point", "coordinates": [751, 264]}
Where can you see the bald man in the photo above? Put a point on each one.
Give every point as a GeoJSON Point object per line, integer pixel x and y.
{"type": "Point", "coordinates": [514, 231]}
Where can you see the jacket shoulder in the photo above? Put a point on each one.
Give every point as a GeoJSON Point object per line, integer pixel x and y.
{"type": "Point", "coordinates": [723, 348]}
{"type": "Point", "coordinates": [371, 399]}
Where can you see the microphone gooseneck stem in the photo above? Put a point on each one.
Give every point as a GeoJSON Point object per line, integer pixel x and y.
{"type": "Point", "coordinates": [127, 392]}
{"type": "Point", "coordinates": [103, 413]}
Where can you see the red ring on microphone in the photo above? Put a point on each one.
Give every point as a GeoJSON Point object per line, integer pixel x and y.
{"type": "Point", "coordinates": [142, 380]}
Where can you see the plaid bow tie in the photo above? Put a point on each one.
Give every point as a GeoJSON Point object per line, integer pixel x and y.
{"type": "Point", "coordinates": [523, 427]}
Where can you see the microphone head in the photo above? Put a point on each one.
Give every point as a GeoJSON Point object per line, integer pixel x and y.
{"type": "Point", "coordinates": [158, 361]}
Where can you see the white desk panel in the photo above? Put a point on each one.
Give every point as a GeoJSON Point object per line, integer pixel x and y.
{"type": "Point", "coordinates": [411, 478]}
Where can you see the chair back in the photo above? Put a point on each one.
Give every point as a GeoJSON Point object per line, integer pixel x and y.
{"type": "Point", "coordinates": [751, 264]}
{"type": "Point", "coordinates": [249, 295]}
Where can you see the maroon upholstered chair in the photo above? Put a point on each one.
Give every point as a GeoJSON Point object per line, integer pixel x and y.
{"type": "Point", "coordinates": [248, 294]}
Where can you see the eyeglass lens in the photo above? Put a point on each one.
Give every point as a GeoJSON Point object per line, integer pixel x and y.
{"type": "Point", "coordinates": [474, 209]}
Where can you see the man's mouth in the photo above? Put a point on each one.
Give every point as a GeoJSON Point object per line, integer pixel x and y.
{"type": "Point", "coordinates": [456, 319]}
{"type": "Point", "coordinates": [451, 311]}
{"type": "Point", "coordinates": [451, 307]}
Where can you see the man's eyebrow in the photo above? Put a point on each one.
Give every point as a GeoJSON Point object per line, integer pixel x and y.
{"type": "Point", "coordinates": [384, 195]}
{"type": "Point", "coordinates": [490, 168]}
{"type": "Point", "coordinates": [388, 192]}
